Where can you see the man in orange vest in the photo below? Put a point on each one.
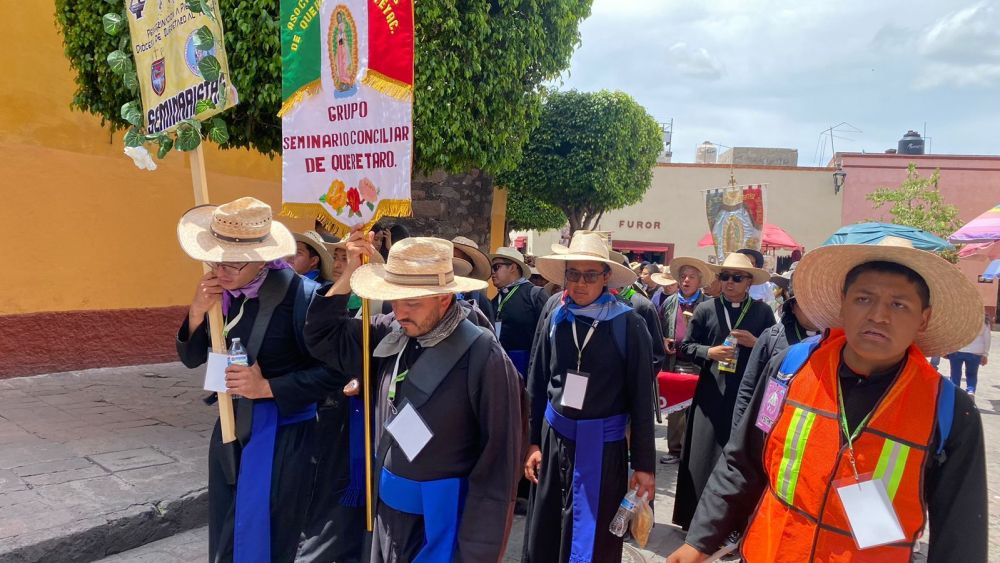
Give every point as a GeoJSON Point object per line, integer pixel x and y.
{"type": "Point", "coordinates": [853, 441]}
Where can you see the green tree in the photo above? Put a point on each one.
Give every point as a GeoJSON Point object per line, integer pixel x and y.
{"type": "Point", "coordinates": [917, 202]}
{"type": "Point", "coordinates": [528, 213]}
{"type": "Point", "coordinates": [479, 71]}
{"type": "Point", "coordinates": [591, 152]}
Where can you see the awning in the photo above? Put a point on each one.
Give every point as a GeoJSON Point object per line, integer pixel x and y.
{"type": "Point", "coordinates": [638, 246]}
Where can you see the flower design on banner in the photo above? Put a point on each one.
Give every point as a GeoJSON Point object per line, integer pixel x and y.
{"type": "Point", "coordinates": [369, 193]}
{"type": "Point", "coordinates": [336, 196]}
{"type": "Point", "coordinates": [354, 202]}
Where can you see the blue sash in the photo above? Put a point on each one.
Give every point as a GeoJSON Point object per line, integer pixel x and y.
{"type": "Point", "coordinates": [252, 533]}
{"type": "Point", "coordinates": [353, 496]}
{"type": "Point", "coordinates": [440, 502]}
{"type": "Point", "coordinates": [520, 360]}
{"type": "Point", "coordinates": [588, 434]}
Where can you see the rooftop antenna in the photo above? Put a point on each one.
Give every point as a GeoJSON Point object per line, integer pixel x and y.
{"type": "Point", "coordinates": [842, 127]}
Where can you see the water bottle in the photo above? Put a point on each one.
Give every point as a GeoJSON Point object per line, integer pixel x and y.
{"type": "Point", "coordinates": [729, 365]}
{"type": "Point", "coordinates": [624, 515]}
{"type": "Point", "coordinates": [237, 356]}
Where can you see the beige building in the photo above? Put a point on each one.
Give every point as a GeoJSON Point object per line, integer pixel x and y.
{"type": "Point", "coordinates": [671, 218]}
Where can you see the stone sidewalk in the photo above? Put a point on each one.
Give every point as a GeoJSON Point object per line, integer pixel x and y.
{"type": "Point", "coordinates": [103, 462]}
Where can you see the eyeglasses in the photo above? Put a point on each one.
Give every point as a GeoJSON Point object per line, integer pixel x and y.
{"type": "Point", "coordinates": [726, 276]}
{"type": "Point", "coordinates": [231, 268]}
{"type": "Point", "coordinates": [587, 277]}
{"type": "Point", "coordinates": [497, 265]}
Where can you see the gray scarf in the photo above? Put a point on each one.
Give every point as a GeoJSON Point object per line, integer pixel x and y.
{"type": "Point", "coordinates": [396, 341]}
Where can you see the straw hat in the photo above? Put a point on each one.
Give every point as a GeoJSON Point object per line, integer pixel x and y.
{"type": "Point", "coordinates": [663, 280]}
{"type": "Point", "coordinates": [480, 265]}
{"type": "Point", "coordinates": [514, 255]}
{"type": "Point", "coordinates": [314, 240]}
{"type": "Point", "coordinates": [784, 281]}
{"type": "Point", "coordinates": [956, 307]}
{"type": "Point", "coordinates": [417, 267]}
{"type": "Point", "coordinates": [707, 274]}
{"type": "Point", "coordinates": [238, 231]}
{"type": "Point", "coordinates": [741, 263]}
{"type": "Point", "coordinates": [584, 246]}
{"type": "Point", "coordinates": [342, 245]}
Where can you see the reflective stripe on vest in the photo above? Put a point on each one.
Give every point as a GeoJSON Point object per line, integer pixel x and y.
{"type": "Point", "coordinates": [800, 518]}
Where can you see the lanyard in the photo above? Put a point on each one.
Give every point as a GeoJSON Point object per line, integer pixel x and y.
{"type": "Point", "coordinates": [229, 326]}
{"type": "Point", "coordinates": [586, 340]}
{"type": "Point", "coordinates": [396, 379]}
{"type": "Point", "coordinates": [851, 437]}
{"type": "Point", "coordinates": [506, 299]}
{"type": "Point", "coordinates": [729, 323]}
{"type": "Point", "coordinates": [797, 332]}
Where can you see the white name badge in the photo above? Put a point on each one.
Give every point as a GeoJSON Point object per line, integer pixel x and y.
{"type": "Point", "coordinates": [574, 389]}
{"type": "Point", "coordinates": [871, 515]}
{"type": "Point", "coordinates": [410, 431]}
{"type": "Point", "coordinates": [496, 327]}
{"type": "Point", "coordinates": [215, 372]}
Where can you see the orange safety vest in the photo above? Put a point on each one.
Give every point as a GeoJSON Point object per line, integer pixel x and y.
{"type": "Point", "coordinates": [800, 517]}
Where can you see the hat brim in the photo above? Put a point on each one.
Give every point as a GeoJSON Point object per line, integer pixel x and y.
{"type": "Point", "coordinates": [195, 236]}
{"type": "Point", "coordinates": [706, 271]}
{"type": "Point", "coordinates": [781, 281]}
{"type": "Point", "coordinates": [481, 269]}
{"type": "Point", "coordinates": [553, 268]}
{"type": "Point", "coordinates": [663, 280]}
{"type": "Point", "coordinates": [759, 276]}
{"type": "Point", "coordinates": [956, 307]}
{"type": "Point", "coordinates": [369, 282]}
{"type": "Point", "coordinates": [525, 270]}
{"type": "Point", "coordinates": [325, 258]}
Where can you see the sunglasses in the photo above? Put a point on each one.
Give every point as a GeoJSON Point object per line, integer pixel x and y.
{"type": "Point", "coordinates": [231, 268]}
{"type": "Point", "coordinates": [726, 276]}
{"type": "Point", "coordinates": [499, 265]}
{"type": "Point", "coordinates": [587, 277]}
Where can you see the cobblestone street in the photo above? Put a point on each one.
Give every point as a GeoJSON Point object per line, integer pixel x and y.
{"type": "Point", "coordinates": [103, 462]}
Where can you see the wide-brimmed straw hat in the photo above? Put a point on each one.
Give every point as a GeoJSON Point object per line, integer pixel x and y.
{"type": "Point", "coordinates": [342, 245]}
{"type": "Point", "coordinates": [238, 231]}
{"type": "Point", "coordinates": [315, 241]}
{"type": "Point", "coordinates": [513, 255]}
{"type": "Point", "coordinates": [417, 267]}
{"type": "Point", "coordinates": [584, 246]}
{"type": "Point", "coordinates": [741, 263]}
{"type": "Point", "coordinates": [784, 281]}
{"type": "Point", "coordinates": [956, 307]}
{"type": "Point", "coordinates": [480, 261]}
{"type": "Point", "coordinates": [663, 280]}
{"type": "Point", "coordinates": [681, 261]}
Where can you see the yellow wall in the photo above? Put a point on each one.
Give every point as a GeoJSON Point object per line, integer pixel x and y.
{"type": "Point", "coordinates": [82, 227]}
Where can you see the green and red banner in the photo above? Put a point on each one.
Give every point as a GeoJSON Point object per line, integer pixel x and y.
{"type": "Point", "coordinates": [347, 109]}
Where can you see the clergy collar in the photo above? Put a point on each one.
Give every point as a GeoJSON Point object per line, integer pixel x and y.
{"type": "Point", "coordinates": [734, 304]}
{"type": "Point", "coordinates": [845, 372]}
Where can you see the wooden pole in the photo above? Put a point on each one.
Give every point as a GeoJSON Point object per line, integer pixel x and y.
{"type": "Point", "coordinates": [498, 222]}
{"type": "Point", "coordinates": [215, 323]}
{"type": "Point", "coordinates": [366, 387]}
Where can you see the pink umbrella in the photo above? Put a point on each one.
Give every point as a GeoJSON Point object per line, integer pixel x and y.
{"type": "Point", "coordinates": [985, 228]}
{"type": "Point", "coordinates": [774, 237]}
{"type": "Point", "coordinates": [989, 250]}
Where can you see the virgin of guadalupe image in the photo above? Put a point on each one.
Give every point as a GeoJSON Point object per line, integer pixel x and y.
{"type": "Point", "coordinates": [344, 50]}
{"type": "Point", "coordinates": [734, 227]}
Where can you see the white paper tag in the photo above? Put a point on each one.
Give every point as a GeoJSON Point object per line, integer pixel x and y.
{"type": "Point", "coordinates": [496, 327]}
{"type": "Point", "coordinates": [574, 389]}
{"type": "Point", "coordinates": [870, 512]}
{"type": "Point", "coordinates": [409, 431]}
{"type": "Point", "coordinates": [215, 372]}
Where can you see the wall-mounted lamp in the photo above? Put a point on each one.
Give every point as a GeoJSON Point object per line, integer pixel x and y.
{"type": "Point", "coordinates": [839, 177]}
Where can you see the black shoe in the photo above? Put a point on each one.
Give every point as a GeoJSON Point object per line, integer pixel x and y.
{"type": "Point", "coordinates": [670, 459]}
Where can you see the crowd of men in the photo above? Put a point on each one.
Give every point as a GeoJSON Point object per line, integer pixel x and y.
{"type": "Point", "coordinates": [818, 431]}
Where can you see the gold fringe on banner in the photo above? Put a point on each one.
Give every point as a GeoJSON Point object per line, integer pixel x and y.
{"type": "Point", "coordinates": [300, 95]}
{"type": "Point", "coordinates": [388, 86]}
{"type": "Point", "coordinates": [386, 208]}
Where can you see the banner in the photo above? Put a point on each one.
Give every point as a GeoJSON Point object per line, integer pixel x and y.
{"type": "Point", "coordinates": [347, 110]}
{"type": "Point", "coordinates": [165, 46]}
{"type": "Point", "coordinates": [735, 218]}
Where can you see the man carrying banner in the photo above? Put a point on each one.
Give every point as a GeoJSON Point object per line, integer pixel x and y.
{"type": "Point", "coordinates": [448, 404]}
{"type": "Point", "coordinates": [853, 442]}
{"type": "Point", "coordinates": [265, 306]}
{"type": "Point", "coordinates": [589, 378]}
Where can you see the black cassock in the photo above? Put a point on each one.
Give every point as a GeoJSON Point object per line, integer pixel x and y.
{"type": "Point", "coordinates": [517, 308]}
{"type": "Point", "coordinates": [710, 417]}
{"type": "Point", "coordinates": [616, 385]}
{"type": "Point", "coordinates": [297, 380]}
{"type": "Point", "coordinates": [483, 443]}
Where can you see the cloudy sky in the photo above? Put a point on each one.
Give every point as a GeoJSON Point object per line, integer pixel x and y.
{"type": "Point", "coordinates": [767, 73]}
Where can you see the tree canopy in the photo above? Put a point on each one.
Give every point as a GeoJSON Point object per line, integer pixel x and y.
{"type": "Point", "coordinates": [479, 73]}
{"type": "Point", "coordinates": [590, 153]}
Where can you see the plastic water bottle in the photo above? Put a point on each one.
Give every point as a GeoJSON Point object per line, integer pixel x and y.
{"type": "Point", "coordinates": [729, 365]}
{"type": "Point", "coordinates": [619, 524]}
{"type": "Point", "coordinates": [237, 356]}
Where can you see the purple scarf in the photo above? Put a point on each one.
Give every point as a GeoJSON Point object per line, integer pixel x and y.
{"type": "Point", "coordinates": [251, 289]}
